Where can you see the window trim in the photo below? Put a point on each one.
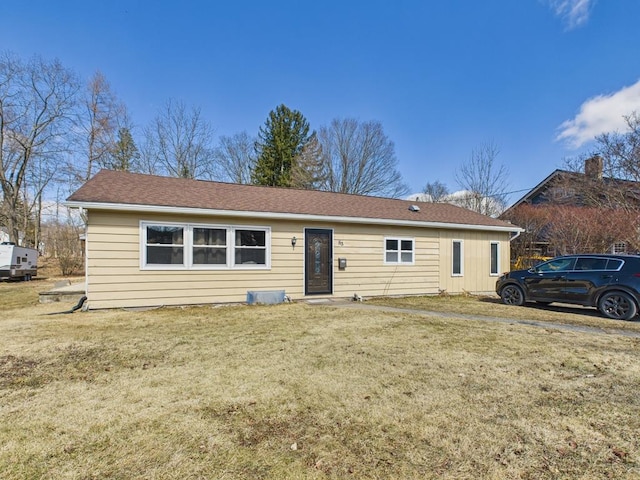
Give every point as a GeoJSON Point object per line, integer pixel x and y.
{"type": "Point", "coordinates": [144, 244]}
{"type": "Point", "coordinates": [461, 272]}
{"type": "Point", "coordinates": [188, 246]}
{"type": "Point", "coordinates": [192, 245]}
{"type": "Point", "coordinates": [497, 272]}
{"type": "Point", "coordinates": [399, 251]}
{"type": "Point", "coordinates": [231, 248]}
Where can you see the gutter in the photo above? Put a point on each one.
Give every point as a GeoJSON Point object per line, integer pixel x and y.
{"type": "Point", "coordinates": [286, 216]}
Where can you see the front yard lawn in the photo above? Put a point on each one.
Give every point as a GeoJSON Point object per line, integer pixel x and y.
{"type": "Point", "coordinates": [299, 391]}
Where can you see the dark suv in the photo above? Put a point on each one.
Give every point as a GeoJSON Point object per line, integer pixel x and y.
{"type": "Point", "coordinates": [609, 282]}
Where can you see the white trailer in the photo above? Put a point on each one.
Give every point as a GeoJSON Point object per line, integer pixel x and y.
{"type": "Point", "coordinates": [17, 262]}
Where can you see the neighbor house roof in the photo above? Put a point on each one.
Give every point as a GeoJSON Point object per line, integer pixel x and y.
{"type": "Point", "coordinates": [567, 178]}
{"type": "Point", "coordinates": [139, 192]}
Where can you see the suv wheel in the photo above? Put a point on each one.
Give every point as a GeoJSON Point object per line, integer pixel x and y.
{"type": "Point", "coordinates": [617, 305]}
{"type": "Point", "coordinates": [512, 295]}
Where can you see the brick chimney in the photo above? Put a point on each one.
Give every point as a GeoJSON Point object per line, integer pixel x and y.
{"type": "Point", "coordinates": [593, 167]}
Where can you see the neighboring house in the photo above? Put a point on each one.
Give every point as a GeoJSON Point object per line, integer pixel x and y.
{"type": "Point", "coordinates": [563, 187]}
{"type": "Point", "coordinates": [167, 241]}
{"type": "Point", "coordinates": [577, 189]}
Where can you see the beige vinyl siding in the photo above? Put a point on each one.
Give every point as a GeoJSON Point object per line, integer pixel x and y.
{"type": "Point", "coordinates": [476, 260]}
{"type": "Point", "coordinates": [367, 275]}
{"type": "Point", "coordinates": [115, 279]}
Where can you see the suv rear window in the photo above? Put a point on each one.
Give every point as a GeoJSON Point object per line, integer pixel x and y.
{"type": "Point", "coordinates": [614, 264]}
{"type": "Point", "coordinates": [590, 263]}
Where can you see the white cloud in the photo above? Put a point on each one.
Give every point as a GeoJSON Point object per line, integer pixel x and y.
{"type": "Point", "coordinates": [574, 13]}
{"type": "Point", "coordinates": [601, 114]}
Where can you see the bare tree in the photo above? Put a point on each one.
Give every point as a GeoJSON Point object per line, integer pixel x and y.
{"type": "Point", "coordinates": [149, 162]}
{"type": "Point", "coordinates": [359, 158]}
{"type": "Point", "coordinates": [235, 157]}
{"type": "Point", "coordinates": [621, 151]}
{"type": "Point", "coordinates": [101, 115]}
{"type": "Point", "coordinates": [179, 142]}
{"type": "Point", "coordinates": [535, 221]}
{"type": "Point", "coordinates": [583, 183]}
{"type": "Point", "coordinates": [435, 191]}
{"type": "Point", "coordinates": [484, 181]}
{"type": "Point", "coordinates": [611, 172]}
{"type": "Point", "coordinates": [37, 98]}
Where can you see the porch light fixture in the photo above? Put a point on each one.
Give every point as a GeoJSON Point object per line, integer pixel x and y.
{"type": "Point", "coordinates": [293, 241]}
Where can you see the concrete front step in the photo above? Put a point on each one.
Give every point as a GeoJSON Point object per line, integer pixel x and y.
{"type": "Point", "coordinates": [63, 292]}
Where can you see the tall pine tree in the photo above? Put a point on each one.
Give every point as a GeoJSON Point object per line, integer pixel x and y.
{"type": "Point", "coordinates": [124, 154]}
{"type": "Point", "coordinates": [281, 141]}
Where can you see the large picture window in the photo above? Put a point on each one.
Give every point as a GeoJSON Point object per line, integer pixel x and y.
{"type": "Point", "coordinates": [175, 246]}
{"type": "Point", "coordinates": [398, 251]}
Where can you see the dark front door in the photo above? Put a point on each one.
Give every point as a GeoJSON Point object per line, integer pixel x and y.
{"type": "Point", "coordinates": [318, 252]}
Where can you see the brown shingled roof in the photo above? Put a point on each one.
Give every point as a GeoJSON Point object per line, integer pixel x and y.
{"type": "Point", "coordinates": [124, 188]}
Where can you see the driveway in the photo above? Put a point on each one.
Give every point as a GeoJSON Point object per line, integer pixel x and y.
{"type": "Point", "coordinates": [481, 318]}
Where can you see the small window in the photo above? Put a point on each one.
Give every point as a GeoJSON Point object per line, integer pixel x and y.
{"type": "Point", "coordinates": [495, 258]}
{"type": "Point", "coordinates": [619, 247]}
{"type": "Point", "coordinates": [164, 245]}
{"type": "Point", "coordinates": [250, 247]}
{"type": "Point", "coordinates": [398, 251]}
{"type": "Point", "coordinates": [457, 255]}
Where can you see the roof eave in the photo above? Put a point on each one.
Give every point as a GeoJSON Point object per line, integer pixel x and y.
{"type": "Point", "coordinates": [284, 216]}
{"type": "Point", "coordinates": [534, 191]}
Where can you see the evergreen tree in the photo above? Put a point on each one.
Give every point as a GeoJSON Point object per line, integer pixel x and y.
{"type": "Point", "coordinates": [281, 141]}
{"type": "Point", "coordinates": [124, 153]}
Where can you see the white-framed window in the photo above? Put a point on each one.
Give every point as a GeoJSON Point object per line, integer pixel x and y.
{"type": "Point", "coordinates": [164, 245]}
{"type": "Point", "coordinates": [494, 252]}
{"type": "Point", "coordinates": [209, 246]}
{"type": "Point", "coordinates": [203, 247]}
{"type": "Point", "coordinates": [619, 247]}
{"type": "Point", "coordinates": [250, 247]}
{"type": "Point", "coordinates": [399, 251]}
{"type": "Point", "coordinates": [457, 256]}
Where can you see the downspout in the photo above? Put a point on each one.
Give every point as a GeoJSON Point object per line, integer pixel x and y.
{"type": "Point", "coordinates": [85, 218]}
{"type": "Point", "coordinates": [517, 234]}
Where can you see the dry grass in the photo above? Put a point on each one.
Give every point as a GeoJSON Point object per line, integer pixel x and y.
{"type": "Point", "coordinates": [489, 306]}
{"type": "Point", "coordinates": [296, 391]}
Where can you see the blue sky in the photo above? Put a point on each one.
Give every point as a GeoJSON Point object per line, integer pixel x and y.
{"type": "Point", "coordinates": [539, 78]}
